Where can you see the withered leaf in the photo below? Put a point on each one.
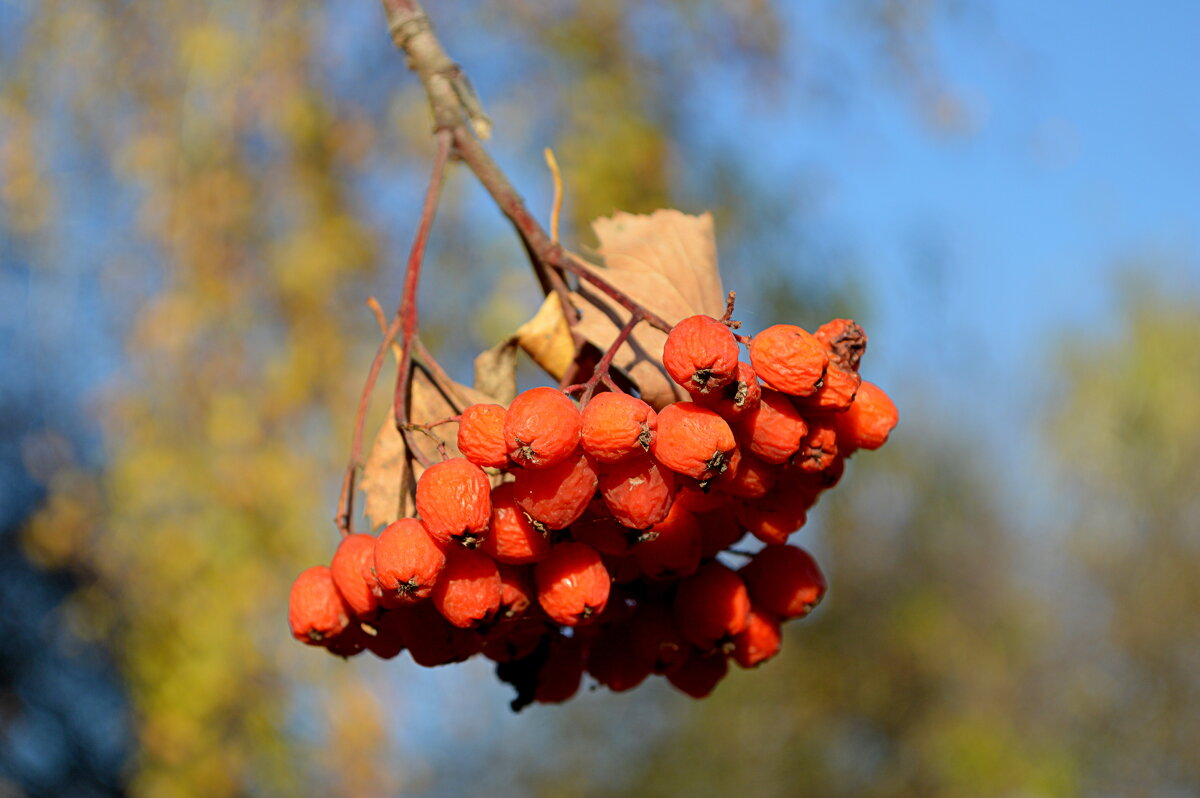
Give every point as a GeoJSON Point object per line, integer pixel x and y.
{"type": "Point", "coordinates": [496, 371]}
{"type": "Point", "coordinates": [547, 338]}
{"type": "Point", "coordinates": [667, 262]}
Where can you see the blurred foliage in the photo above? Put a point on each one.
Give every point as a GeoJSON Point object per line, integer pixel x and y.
{"type": "Point", "coordinates": [1128, 430]}
{"type": "Point", "coordinates": [254, 179]}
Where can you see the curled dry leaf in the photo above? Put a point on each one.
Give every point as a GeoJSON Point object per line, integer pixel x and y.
{"type": "Point", "coordinates": [667, 262]}
{"type": "Point", "coordinates": [496, 371]}
{"type": "Point", "coordinates": [547, 338]}
{"type": "Point", "coordinates": [386, 471]}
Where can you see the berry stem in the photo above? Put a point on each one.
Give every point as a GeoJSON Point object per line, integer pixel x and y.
{"type": "Point", "coordinates": [456, 109]}
{"type": "Point", "coordinates": [600, 374]}
{"type": "Point", "coordinates": [405, 321]}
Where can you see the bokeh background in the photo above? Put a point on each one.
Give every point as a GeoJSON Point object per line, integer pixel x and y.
{"type": "Point", "coordinates": [196, 198]}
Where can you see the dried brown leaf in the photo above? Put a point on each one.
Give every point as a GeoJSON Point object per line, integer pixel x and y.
{"type": "Point", "coordinates": [667, 263]}
{"type": "Point", "coordinates": [547, 338]}
{"type": "Point", "coordinates": [680, 247]}
{"type": "Point", "coordinates": [496, 371]}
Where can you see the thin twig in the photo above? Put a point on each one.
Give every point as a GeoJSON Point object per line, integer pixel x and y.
{"type": "Point", "coordinates": [402, 396]}
{"type": "Point", "coordinates": [600, 374]}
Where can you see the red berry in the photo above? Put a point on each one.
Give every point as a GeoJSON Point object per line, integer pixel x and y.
{"type": "Point", "coordinates": [454, 500]}
{"type": "Point", "coordinates": [562, 671]}
{"type": "Point", "coordinates": [317, 612]}
{"type": "Point", "coordinates": [541, 428]}
{"type": "Point", "coordinates": [699, 674]}
{"type": "Point", "coordinates": [468, 592]}
{"type": "Point", "coordinates": [481, 435]}
{"type": "Point", "coordinates": [616, 426]}
{"type": "Point", "coordinates": [351, 568]}
{"type": "Point", "coordinates": [350, 642]}
{"type": "Point", "coordinates": [653, 635]}
{"type": "Point", "coordinates": [509, 642]}
{"type": "Point", "coordinates": [614, 662]}
{"type": "Point", "coordinates": [671, 549]}
{"type": "Point", "coordinates": [700, 354]}
{"type": "Point", "coordinates": [572, 583]}
{"type": "Point", "coordinates": [784, 580]}
{"type": "Point", "coordinates": [389, 637]}
{"type": "Point", "coordinates": [711, 606]}
{"type": "Point", "coordinates": [719, 529]}
{"type": "Point", "coordinates": [407, 562]}
{"type": "Point", "coordinates": [432, 640]}
{"type": "Point", "coordinates": [759, 641]}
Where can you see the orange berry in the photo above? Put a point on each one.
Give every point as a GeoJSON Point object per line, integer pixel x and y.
{"type": "Point", "coordinates": [789, 359]}
{"type": "Point", "coordinates": [516, 592]}
{"type": "Point", "coordinates": [748, 477]}
{"type": "Point", "coordinates": [605, 535]}
{"type": "Point", "coordinates": [784, 580]}
{"type": "Point", "coordinates": [407, 562]}
{"type": "Point", "coordinates": [541, 428]}
{"type": "Point", "coordinates": [317, 613]}
{"type": "Point", "coordinates": [711, 606]}
{"type": "Point", "coordinates": [773, 430]}
{"type": "Point", "coordinates": [454, 500]}
{"type": "Point", "coordinates": [774, 517]}
{"type": "Point", "coordinates": [759, 641]}
{"type": "Point", "coordinates": [869, 421]}
{"type": "Point", "coordinates": [512, 538]}
{"type": "Point", "coordinates": [700, 354]}
{"type": "Point", "coordinates": [638, 492]}
{"type": "Point", "coordinates": [819, 447]}
{"type": "Point", "coordinates": [351, 567]}
{"type": "Point", "coordinates": [617, 426]}
{"type": "Point", "coordinates": [693, 440]}
{"type": "Point", "coordinates": [556, 496]}
{"type": "Point", "coordinates": [468, 592]}
{"type": "Point", "coordinates": [481, 435]}
{"type": "Point", "coordinates": [737, 397]}
{"type": "Point", "coordinates": [845, 341]}
{"type": "Point", "coordinates": [572, 583]}
{"type": "Point", "coordinates": [671, 549]}
{"type": "Point", "coordinates": [836, 393]}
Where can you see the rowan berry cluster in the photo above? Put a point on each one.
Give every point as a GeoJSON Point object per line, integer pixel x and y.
{"type": "Point", "coordinates": [567, 541]}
